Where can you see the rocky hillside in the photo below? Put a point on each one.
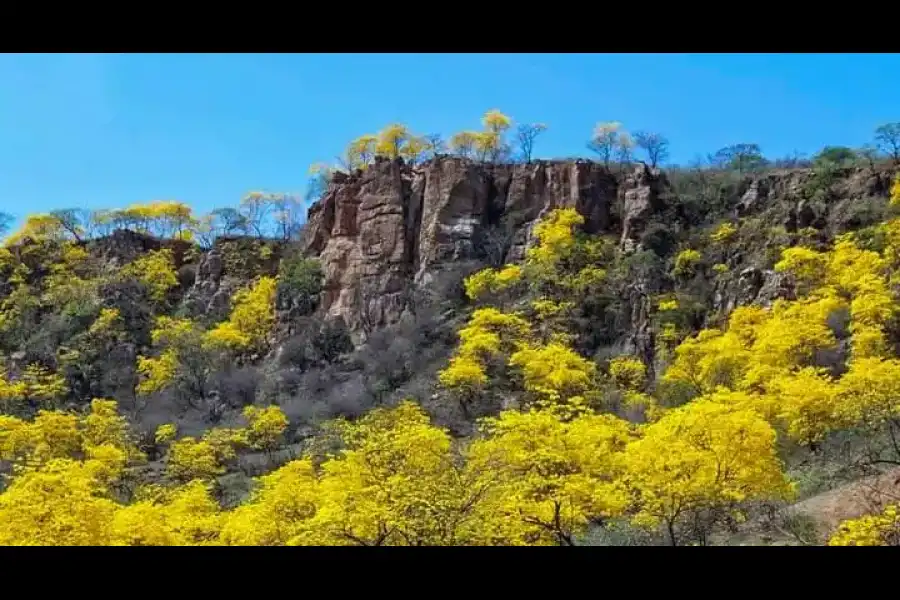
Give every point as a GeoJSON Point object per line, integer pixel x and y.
{"type": "Point", "coordinates": [386, 233]}
{"type": "Point", "coordinates": [605, 272]}
{"type": "Point", "coordinates": [396, 237]}
{"type": "Point", "coordinates": [392, 228]}
{"type": "Point", "coordinates": [395, 241]}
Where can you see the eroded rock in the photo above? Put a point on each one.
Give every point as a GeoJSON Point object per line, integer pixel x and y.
{"type": "Point", "coordinates": [382, 232]}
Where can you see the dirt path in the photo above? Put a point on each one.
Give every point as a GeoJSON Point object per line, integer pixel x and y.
{"type": "Point", "coordinates": [850, 501]}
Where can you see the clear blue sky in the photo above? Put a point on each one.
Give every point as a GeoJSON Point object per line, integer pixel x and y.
{"type": "Point", "coordinates": [97, 131]}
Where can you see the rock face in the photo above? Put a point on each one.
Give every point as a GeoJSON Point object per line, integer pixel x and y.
{"type": "Point", "coordinates": [754, 286]}
{"type": "Point", "coordinates": [395, 230]}
{"type": "Point", "coordinates": [802, 198]}
{"type": "Point", "coordinates": [123, 246]}
{"type": "Point", "coordinates": [383, 232]}
{"type": "Point", "coordinates": [225, 268]}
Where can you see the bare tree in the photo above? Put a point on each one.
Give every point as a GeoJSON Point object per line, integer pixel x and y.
{"type": "Point", "coordinates": [605, 140]}
{"type": "Point", "coordinates": [229, 221]}
{"type": "Point", "coordinates": [255, 206]}
{"type": "Point", "coordinates": [502, 153]}
{"type": "Point", "coordinates": [367, 322]}
{"type": "Point", "coordinates": [888, 138]}
{"type": "Point", "coordinates": [793, 161]}
{"type": "Point", "coordinates": [320, 178]}
{"type": "Point", "coordinates": [526, 134]}
{"type": "Point", "coordinates": [434, 144]}
{"type": "Point", "coordinates": [624, 149]}
{"type": "Point", "coordinates": [205, 232]}
{"type": "Point", "coordinates": [72, 220]}
{"type": "Point", "coordinates": [345, 164]}
{"type": "Point", "coordinates": [654, 145]}
{"type": "Point", "coordinates": [101, 223]}
{"type": "Point", "coordinates": [288, 214]}
{"type": "Point", "coordinates": [495, 242]}
{"type": "Point", "coordinates": [869, 153]}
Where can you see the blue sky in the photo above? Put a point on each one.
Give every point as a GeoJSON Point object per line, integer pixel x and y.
{"type": "Point", "coordinates": [96, 131]}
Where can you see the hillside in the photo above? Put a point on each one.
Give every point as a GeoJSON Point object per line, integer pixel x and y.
{"type": "Point", "coordinates": [458, 351]}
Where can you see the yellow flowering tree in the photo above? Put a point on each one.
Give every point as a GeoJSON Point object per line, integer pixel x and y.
{"type": "Point", "coordinates": [203, 459]}
{"type": "Point", "coordinates": [63, 502]}
{"type": "Point", "coordinates": [183, 516]}
{"type": "Point", "coordinates": [266, 427]}
{"type": "Point", "coordinates": [686, 262]}
{"type": "Point", "coordinates": [870, 530]}
{"type": "Point", "coordinates": [183, 359]}
{"type": "Point", "coordinates": [397, 481]}
{"type": "Point", "coordinates": [553, 372]}
{"type": "Point", "coordinates": [155, 270]}
{"type": "Point", "coordinates": [628, 372]}
{"type": "Point", "coordinates": [697, 464]}
{"type": "Point", "coordinates": [492, 281]}
{"type": "Point", "coordinates": [252, 317]}
{"type": "Point", "coordinates": [279, 509]}
{"type": "Point", "coordinates": [490, 336]}
{"type": "Point", "coordinates": [554, 476]}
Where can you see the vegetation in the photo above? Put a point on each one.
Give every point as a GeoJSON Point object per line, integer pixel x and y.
{"type": "Point", "coordinates": [262, 215]}
{"type": "Point", "coordinates": [603, 387]}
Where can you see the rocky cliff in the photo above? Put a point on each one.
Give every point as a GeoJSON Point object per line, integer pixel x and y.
{"type": "Point", "coordinates": [382, 232]}
{"type": "Point", "coordinates": [387, 235]}
{"type": "Point", "coordinates": [385, 232]}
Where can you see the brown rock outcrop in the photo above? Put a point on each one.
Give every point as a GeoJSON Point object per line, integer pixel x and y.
{"type": "Point", "coordinates": [394, 229]}
{"type": "Point", "coordinates": [381, 232]}
{"type": "Point", "coordinates": [225, 268]}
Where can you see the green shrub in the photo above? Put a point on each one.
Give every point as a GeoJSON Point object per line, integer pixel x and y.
{"type": "Point", "coordinates": [301, 280]}
{"type": "Point", "coordinates": [301, 275]}
{"type": "Point", "coordinates": [837, 155]}
{"type": "Point", "coordinates": [246, 258]}
{"type": "Point", "coordinates": [659, 239]}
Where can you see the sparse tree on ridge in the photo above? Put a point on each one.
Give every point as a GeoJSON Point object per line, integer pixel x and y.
{"type": "Point", "coordinates": [320, 176]}
{"type": "Point", "coordinates": [288, 212]}
{"type": "Point", "coordinates": [175, 219]}
{"type": "Point", "coordinates": [625, 149]}
{"type": "Point", "coordinates": [869, 153]}
{"type": "Point", "coordinates": [255, 206]}
{"type": "Point", "coordinates": [72, 220]}
{"type": "Point", "coordinates": [414, 150]}
{"type": "Point", "coordinates": [888, 138]}
{"type": "Point", "coordinates": [654, 145]}
{"type": "Point", "coordinates": [391, 139]}
{"type": "Point", "coordinates": [605, 140]}
{"type": "Point", "coordinates": [463, 143]}
{"type": "Point", "coordinates": [742, 157]}
{"type": "Point", "coordinates": [361, 151]}
{"type": "Point", "coordinates": [434, 144]}
{"type": "Point", "coordinates": [495, 126]}
{"type": "Point", "coordinates": [526, 134]}
{"type": "Point", "coordinates": [229, 221]}
{"type": "Point", "coordinates": [101, 222]}
{"type": "Point", "coordinates": [489, 144]}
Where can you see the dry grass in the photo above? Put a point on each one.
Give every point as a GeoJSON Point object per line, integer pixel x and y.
{"type": "Point", "coordinates": [850, 501]}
